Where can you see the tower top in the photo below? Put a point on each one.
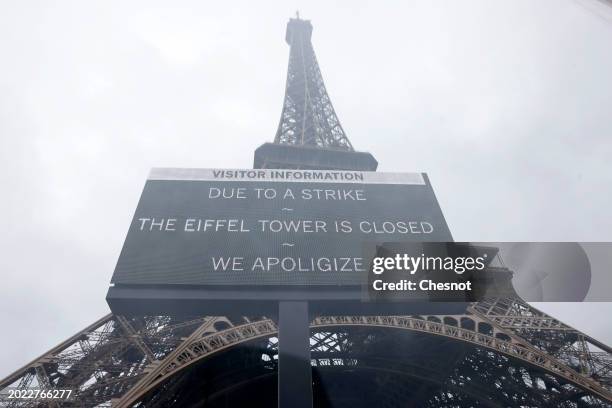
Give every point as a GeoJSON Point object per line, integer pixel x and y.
{"type": "Point", "coordinates": [309, 134]}
{"type": "Point", "coordinates": [308, 117]}
{"type": "Point", "coordinates": [298, 28]}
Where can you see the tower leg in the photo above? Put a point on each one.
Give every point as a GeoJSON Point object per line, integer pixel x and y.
{"type": "Point", "coordinates": [294, 369]}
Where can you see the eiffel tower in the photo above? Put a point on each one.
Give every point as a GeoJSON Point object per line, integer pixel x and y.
{"type": "Point", "coordinates": [501, 352]}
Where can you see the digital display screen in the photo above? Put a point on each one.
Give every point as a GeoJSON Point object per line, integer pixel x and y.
{"type": "Point", "coordinates": [302, 228]}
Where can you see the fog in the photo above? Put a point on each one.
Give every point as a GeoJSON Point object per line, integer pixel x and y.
{"type": "Point", "coordinates": [505, 104]}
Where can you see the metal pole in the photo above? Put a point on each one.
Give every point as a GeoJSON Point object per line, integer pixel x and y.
{"type": "Point", "coordinates": [294, 369]}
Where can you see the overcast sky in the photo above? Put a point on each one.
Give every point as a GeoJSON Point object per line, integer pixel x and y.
{"type": "Point", "coordinates": [507, 105]}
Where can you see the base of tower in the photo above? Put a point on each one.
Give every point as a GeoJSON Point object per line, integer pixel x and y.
{"type": "Point", "coordinates": [283, 156]}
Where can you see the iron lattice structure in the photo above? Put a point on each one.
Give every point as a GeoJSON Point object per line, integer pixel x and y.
{"type": "Point", "coordinates": [500, 352]}
{"type": "Point", "coordinates": [308, 117]}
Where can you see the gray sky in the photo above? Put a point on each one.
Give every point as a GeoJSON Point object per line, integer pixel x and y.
{"type": "Point", "coordinates": [506, 104]}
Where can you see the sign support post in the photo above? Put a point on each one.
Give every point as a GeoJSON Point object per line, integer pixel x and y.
{"type": "Point", "coordinates": [294, 368]}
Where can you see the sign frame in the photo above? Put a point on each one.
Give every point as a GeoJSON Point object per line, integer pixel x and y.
{"type": "Point", "coordinates": [133, 298]}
